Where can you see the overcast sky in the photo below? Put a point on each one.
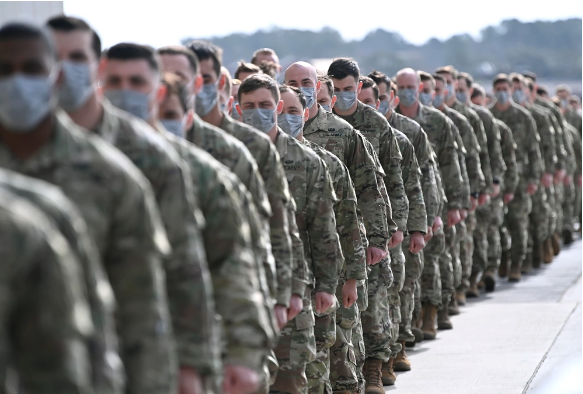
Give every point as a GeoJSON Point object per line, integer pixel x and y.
{"type": "Point", "coordinates": [165, 22]}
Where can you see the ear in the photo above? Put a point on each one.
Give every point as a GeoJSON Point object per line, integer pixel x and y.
{"type": "Point", "coordinates": [198, 82]}
{"type": "Point", "coordinates": [222, 82]}
{"type": "Point", "coordinates": [396, 102]}
{"type": "Point", "coordinates": [445, 92]}
{"type": "Point", "coordinates": [161, 94]}
{"type": "Point", "coordinates": [471, 91]}
{"type": "Point", "coordinates": [377, 105]}
{"type": "Point", "coordinates": [306, 114]}
{"type": "Point", "coordinates": [279, 107]}
{"type": "Point", "coordinates": [239, 110]}
{"type": "Point", "coordinates": [229, 105]}
{"type": "Point", "coordinates": [420, 87]}
{"type": "Point", "coordinates": [392, 97]}
{"type": "Point", "coordinates": [334, 98]}
{"type": "Point", "coordinates": [102, 66]}
{"type": "Point", "coordinates": [189, 119]}
{"type": "Point", "coordinates": [359, 88]}
{"type": "Point", "coordinates": [318, 87]}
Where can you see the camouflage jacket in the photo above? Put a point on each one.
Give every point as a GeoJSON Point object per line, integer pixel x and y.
{"type": "Point", "coordinates": [558, 120]}
{"type": "Point", "coordinates": [44, 298]}
{"type": "Point", "coordinates": [510, 181]}
{"type": "Point", "coordinates": [546, 132]}
{"type": "Point", "coordinates": [424, 153]}
{"type": "Point", "coordinates": [573, 141]}
{"type": "Point", "coordinates": [438, 130]}
{"type": "Point", "coordinates": [119, 208]}
{"type": "Point", "coordinates": [311, 187]}
{"type": "Point", "coordinates": [339, 137]}
{"type": "Point", "coordinates": [574, 119]}
{"type": "Point", "coordinates": [108, 375]}
{"type": "Point", "coordinates": [560, 151]}
{"type": "Point", "coordinates": [375, 127]}
{"type": "Point", "coordinates": [528, 158]}
{"type": "Point", "coordinates": [271, 170]}
{"type": "Point", "coordinates": [346, 213]}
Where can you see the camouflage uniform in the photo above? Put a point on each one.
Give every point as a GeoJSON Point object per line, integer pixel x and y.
{"type": "Point", "coordinates": [574, 119]}
{"type": "Point", "coordinates": [529, 164]}
{"type": "Point", "coordinates": [573, 170]}
{"type": "Point", "coordinates": [44, 296]}
{"type": "Point", "coordinates": [311, 187]}
{"type": "Point", "coordinates": [118, 206]}
{"type": "Point", "coordinates": [107, 373]}
{"type": "Point", "coordinates": [343, 374]}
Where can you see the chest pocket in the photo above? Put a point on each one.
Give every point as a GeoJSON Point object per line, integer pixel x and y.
{"type": "Point", "coordinates": [296, 179]}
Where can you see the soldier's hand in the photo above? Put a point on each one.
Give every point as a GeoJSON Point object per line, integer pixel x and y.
{"type": "Point", "coordinates": [559, 176]}
{"type": "Point", "coordinates": [295, 306]}
{"type": "Point", "coordinates": [240, 380]}
{"type": "Point", "coordinates": [428, 234]}
{"type": "Point", "coordinates": [417, 241]}
{"type": "Point", "coordinates": [349, 293]}
{"type": "Point", "coordinates": [508, 197]}
{"type": "Point", "coordinates": [483, 199]}
{"type": "Point", "coordinates": [396, 239]}
{"type": "Point", "coordinates": [453, 217]}
{"type": "Point", "coordinates": [437, 224]}
{"type": "Point", "coordinates": [190, 382]}
{"type": "Point", "coordinates": [463, 214]}
{"type": "Point", "coordinates": [547, 179]}
{"type": "Point", "coordinates": [567, 181]}
{"type": "Point", "coordinates": [496, 190]}
{"type": "Point", "coordinates": [374, 255]}
{"type": "Point", "coordinates": [324, 301]}
{"type": "Point", "coordinates": [281, 315]}
{"type": "Point", "coordinates": [531, 188]}
{"type": "Point", "coordinates": [475, 202]}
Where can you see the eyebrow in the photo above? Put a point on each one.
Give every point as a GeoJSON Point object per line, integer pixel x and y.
{"type": "Point", "coordinates": [292, 107]}
{"type": "Point", "coordinates": [307, 80]}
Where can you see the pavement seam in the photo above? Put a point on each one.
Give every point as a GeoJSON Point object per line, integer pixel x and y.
{"type": "Point", "coordinates": [549, 349]}
{"type": "Point", "coordinates": [569, 288]}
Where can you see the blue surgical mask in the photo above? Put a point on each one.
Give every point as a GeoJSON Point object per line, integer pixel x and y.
{"type": "Point", "coordinates": [345, 100]}
{"type": "Point", "coordinates": [326, 107]}
{"type": "Point", "coordinates": [136, 103]}
{"type": "Point", "coordinates": [261, 118]}
{"type": "Point", "coordinates": [174, 126]}
{"type": "Point", "coordinates": [425, 98]}
{"type": "Point", "coordinates": [206, 99]}
{"type": "Point", "coordinates": [291, 124]}
{"type": "Point", "coordinates": [407, 97]}
{"type": "Point", "coordinates": [25, 101]}
{"type": "Point", "coordinates": [462, 96]}
{"type": "Point", "coordinates": [234, 113]}
{"type": "Point", "coordinates": [438, 100]}
{"type": "Point", "coordinates": [502, 96]}
{"type": "Point", "coordinates": [77, 87]}
{"type": "Point", "coordinates": [384, 107]}
{"type": "Point", "coordinates": [310, 95]}
{"type": "Point", "coordinates": [450, 91]}
{"type": "Point", "coordinates": [518, 96]}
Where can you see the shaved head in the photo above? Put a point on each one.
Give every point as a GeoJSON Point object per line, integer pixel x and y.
{"type": "Point", "coordinates": [407, 73]}
{"type": "Point", "coordinates": [301, 67]}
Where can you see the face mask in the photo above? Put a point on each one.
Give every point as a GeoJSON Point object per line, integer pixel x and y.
{"type": "Point", "coordinates": [291, 124]}
{"type": "Point", "coordinates": [234, 114]}
{"type": "Point", "coordinates": [309, 95]}
{"type": "Point", "coordinates": [345, 100]}
{"type": "Point", "coordinates": [502, 96]}
{"type": "Point", "coordinates": [77, 87]}
{"type": "Point", "coordinates": [518, 96]}
{"type": "Point", "coordinates": [407, 97]}
{"type": "Point", "coordinates": [384, 107]}
{"type": "Point", "coordinates": [462, 96]}
{"type": "Point", "coordinates": [564, 103]}
{"type": "Point", "coordinates": [425, 98]}
{"type": "Point", "coordinates": [326, 107]}
{"type": "Point", "coordinates": [25, 101]}
{"type": "Point", "coordinates": [450, 91]}
{"type": "Point", "coordinates": [136, 103]}
{"type": "Point", "coordinates": [260, 118]}
{"type": "Point", "coordinates": [174, 126]}
{"type": "Point", "coordinates": [438, 100]}
{"type": "Point", "coordinates": [206, 99]}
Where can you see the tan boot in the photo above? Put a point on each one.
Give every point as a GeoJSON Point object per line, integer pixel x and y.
{"type": "Point", "coordinates": [343, 392]}
{"type": "Point", "coordinates": [372, 371]}
{"type": "Point", "coordinates": [541, 252]}
{"type": "Point", "coordinates": [473, 291]}
{"type": "Point", "coordinates": [418, 335]}
{"type": "Point", "coordinates": [460, 296]}
{"type": "Point", "coordinates": [402, 363]}
{"type": "Point", "coordinates": [526, 264]}
{"type": "Point", "coordinates": [504, 262]}
{"type": "Point", "coordinates": [429, 314]}
{"type": "Point", "coordinates": [489, 279]}
{"type": "Point", "coordinates": [443, 322]}
{"type": "Point", "coordinates": [388, 374]}
{"type": "Point", "coordinates": [556, 241]}
{"type": "Point", "coordinates": [453, 309]}
{"type": "Point", "coordinates": [514, 275]}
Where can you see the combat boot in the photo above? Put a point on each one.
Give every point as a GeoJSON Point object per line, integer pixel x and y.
{"type": "Point", "coordinates": [388, 374]}
{"type": "Point", "coordinates": [489, 279]}
{"type": "Point", "coordinates": [504, 261]}
{"type": "Point", "coordinates": [527, 264]}
{"type": "Point", "coordinates": [514, 275]}
{"type": "Point", "coordinates": [402, 363]}
{"type": "Point", "coordinates": [548, 252]}
{"type": "Point", "coordinates": [373, 375]}
{"type": "Point", "coordinates": [567, 237]}
{"type": "Point", "coordinates": [473, 291]}
{"type": "Point", "coordinates": [429, 314]}
{"type": "Point", "coordinates": [460, 296]}
{"type": "Point", "coordinates": [453, 309]}
{"type": "Point", "coordinates": [418, 336]}
{"type": "Point", "coordinates": [343, 392]}
{"type": "Point", "coordinates": [443, 322]}
{"type": "Point", "coordinates": [556, 241]}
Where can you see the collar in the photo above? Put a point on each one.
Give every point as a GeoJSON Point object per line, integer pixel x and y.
{"type": "Point", "coordinates": [109, 126]}
{"type": "Point", "coordinates": [319, 122]}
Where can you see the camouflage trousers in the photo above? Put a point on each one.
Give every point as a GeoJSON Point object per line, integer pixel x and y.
{"type": "Point", "coordinates": [399, 273]}
{"type": "Point", "coordinates": [467, 250]}
{"type": "Point", "coordinates": [538, 219]}
{"type": "Point", "coordinates": [446, 269]}
{"type": "Point", "coordinates": [460, 232]}
{"type": "Point", "coordinates": [559, 199]}
{"type": "Point", "coordinates": [517, 221]}
{"type": "Point", "coordinates": [413, 269]}
{"type": "Point", "coordinates": [480, 256]}
{"type": "Point", "coordinates": [318, 371]}
{"type": "Point", "coordinates": [569, 208]}
{"type": "Point", "coordinates": [376, 322]}
{"type": "Point", "coordinates": [430, 277]}
{"type": "Point", "coordinates": [578, 204]}
{"type": "Point", "coordinates": [358, 336]}
{"type": "Point", "coordinates": [552, 219]}
{"type": "Point", "coordinates": [295, 349]}
{"type": "Point", "coordinates": [417, 306]}
{"type": "Point", "coordinates": [494, 231]}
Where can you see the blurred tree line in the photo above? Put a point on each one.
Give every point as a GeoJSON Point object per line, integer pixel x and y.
{"type": "Point", "coordinates": [550, 49]}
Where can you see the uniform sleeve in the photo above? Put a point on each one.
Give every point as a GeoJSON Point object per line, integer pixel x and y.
{"type": "Point", "coordinates": [548, 145]}
{"type": "Point", "coordinates": [390, 157]}
{"type": "Point", "coordinates": [428, 183]}
{"type": "Point", "coordinates": [449, 168]}
{"type": "Point", "coordinates": [476, 178]}
{"type": "Point", "coordinates": [560, 151]}
{"type": "Point", "coordinates": [461, 153]}
{"type": "Point", "coordinates": [491, 159]}
{"type": "Point", "coordinates": [508, 152]}
{"type": "Point", "coordinates": [534, 154]}
{"type": "Point", "coordinates": [417, 218]}
{"type": "Point", "coordinates": [301, 271]}
{"type": "Point", "coordinates": [567, 137]}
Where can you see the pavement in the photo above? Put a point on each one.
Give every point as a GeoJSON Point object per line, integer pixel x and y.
{"type": "Point", "coordinates": [524, 338]}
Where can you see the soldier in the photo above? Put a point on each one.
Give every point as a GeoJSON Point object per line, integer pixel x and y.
{"type": "Point", "coordinates": [267, 56]}
{"type": "Point", "coordinates": [438, 130]}
{"type": "Point", "coordinates": [571, 115]}
{"type": "Point", "coordinates": [245, 70]}
{"type": "Point", "coordinates": [528, 159]}
{"type": "Point", "coordinates": [47, 303]}
{"type": "Point", "coordinates": [107, 369]}
{"type": "Point", "coordinates": [310, 185]}
{"type": "Point", "coordinates": [114, 198]}
{"type": "Point", "coordinates": [326, 98]}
